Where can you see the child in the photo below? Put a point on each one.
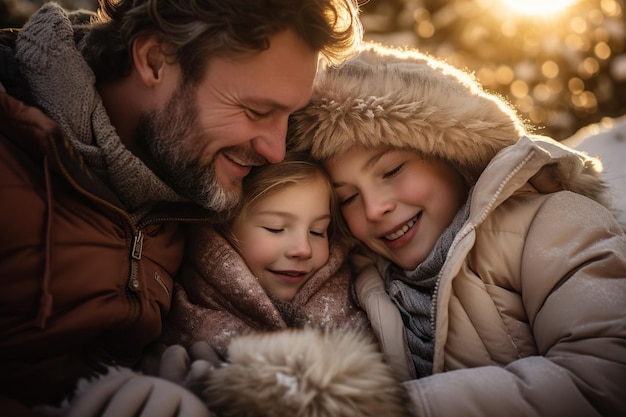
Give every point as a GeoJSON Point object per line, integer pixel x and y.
{"type": "Point", "coordinates": [508, 276]}
{"type": "Point", "coordinates": [279, 263]}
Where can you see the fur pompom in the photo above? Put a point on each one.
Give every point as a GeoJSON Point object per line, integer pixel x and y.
{"type": "Point", "coordinates": [305, 373]}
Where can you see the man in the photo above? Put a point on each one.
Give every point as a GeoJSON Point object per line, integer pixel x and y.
{"type": "Point", "coordinates": [114, 130]}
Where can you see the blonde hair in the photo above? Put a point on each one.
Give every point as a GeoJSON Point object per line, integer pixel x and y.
{"type": "Point", "coordinates": [263, 181]}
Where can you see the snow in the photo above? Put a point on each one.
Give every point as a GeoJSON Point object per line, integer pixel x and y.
{"type": "Point", "coordinates": [607, 140]}
{"type": "Point", "coordinates": [291, 382]}
{"type": "Point", "coordinates": [618, 68]}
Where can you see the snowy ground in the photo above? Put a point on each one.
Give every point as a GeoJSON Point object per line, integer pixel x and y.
{"type": "Point", "coordinates": [607, 140]}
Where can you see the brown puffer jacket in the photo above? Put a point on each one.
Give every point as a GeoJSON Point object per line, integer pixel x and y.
{"type": "Point", "coordinates": [81, 283]}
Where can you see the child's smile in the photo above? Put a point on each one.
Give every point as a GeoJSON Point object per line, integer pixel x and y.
{"type": "Point", "coordinates": [395, 202]}
{"type": "Point", "coordinates": [403, 230]}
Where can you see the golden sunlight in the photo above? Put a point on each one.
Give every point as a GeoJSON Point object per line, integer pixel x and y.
{"type": "Point", "coordinates": [537, 7]}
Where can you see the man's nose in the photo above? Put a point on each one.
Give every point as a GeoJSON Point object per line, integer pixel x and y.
{"type": "Point", "coordinates": [271, 143]}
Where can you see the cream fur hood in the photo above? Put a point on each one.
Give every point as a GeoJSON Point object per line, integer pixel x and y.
{"type": "Point", "coordinates": [404, 99]}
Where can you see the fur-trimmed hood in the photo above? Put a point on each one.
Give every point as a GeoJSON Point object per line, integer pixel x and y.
{"type": "Point", "coordinates": [405, 99]}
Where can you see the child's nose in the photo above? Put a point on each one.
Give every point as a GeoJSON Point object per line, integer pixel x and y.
{"type": "Point", "coordinates": [300, 247]}
{"type": "Point", "coordinates": [376, 207]}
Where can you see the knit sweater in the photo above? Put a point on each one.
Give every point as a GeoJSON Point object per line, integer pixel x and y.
{"type": "Point", "coordinates": [50, 44]}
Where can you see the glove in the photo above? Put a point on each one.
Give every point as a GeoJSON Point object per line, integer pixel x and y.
{"type": "Point", "coordinates": [123, 393]}
{"type": "Point", "coordinates": [176, 360]}
{"type": "Point", "coordinates": [189, 368]}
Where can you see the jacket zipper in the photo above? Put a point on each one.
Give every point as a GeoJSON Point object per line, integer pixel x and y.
{"type": "Point", "coordinates": [132, 283]}
{"type": "Point", "coordinates": [138, 237]}
{"type": "Point", "coordinates": [135, 255]}
{"type": "Point", "coordinates": [136, 231]}
{"type": "Point", "coordinates": [465, 231]}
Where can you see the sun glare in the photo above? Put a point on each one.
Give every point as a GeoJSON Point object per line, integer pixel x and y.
{"type": "Point", "coordinates": [537, 7]}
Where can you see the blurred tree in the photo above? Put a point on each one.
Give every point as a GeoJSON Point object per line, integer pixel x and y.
{"type": "Point", "coordinates": [561, 69]}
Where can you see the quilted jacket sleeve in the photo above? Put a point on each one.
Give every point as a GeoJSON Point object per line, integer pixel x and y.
{"type": "Point", "coordinates": [573, 279]}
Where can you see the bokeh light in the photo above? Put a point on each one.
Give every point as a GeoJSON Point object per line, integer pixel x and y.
{"type": "Point", "coordinates": [540, 8]}
{"type": "Point", "coordinates": [561, 63]}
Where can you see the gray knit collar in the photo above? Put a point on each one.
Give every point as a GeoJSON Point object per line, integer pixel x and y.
{"type": "Point", "coordinates": [412, 292]}
{"type": "Point", "coordinates": [64, 87]}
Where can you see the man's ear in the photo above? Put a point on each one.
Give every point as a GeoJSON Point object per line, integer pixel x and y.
{"type": "Point", "coordinates": [148, 59]}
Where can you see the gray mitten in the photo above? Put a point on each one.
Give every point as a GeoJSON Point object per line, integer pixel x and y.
{"type": "Point", "coordinates": [124, 393]}
{"type": "Point", "coordinates": [189, 368]}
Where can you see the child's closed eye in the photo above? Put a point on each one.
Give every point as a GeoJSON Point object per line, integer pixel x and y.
{"type": "Point", "coordinates": [347, 200]}
{"type": "Point", "coordinates": [394, 171]}
{"type": "Point", "coordinates": [273, 230]}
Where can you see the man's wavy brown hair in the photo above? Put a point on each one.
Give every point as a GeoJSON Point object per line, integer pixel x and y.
{"type": "Point", "coordinates": [195, 30]}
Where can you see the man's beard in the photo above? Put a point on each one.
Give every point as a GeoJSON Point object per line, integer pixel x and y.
{"type": "Point", "coordinates": [170, 137]}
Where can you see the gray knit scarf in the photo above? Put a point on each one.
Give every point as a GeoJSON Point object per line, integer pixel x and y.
{"type": "Point", "coordinates": [412, 293]}
{"type": "Point", "coordinates": [64, 87]}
